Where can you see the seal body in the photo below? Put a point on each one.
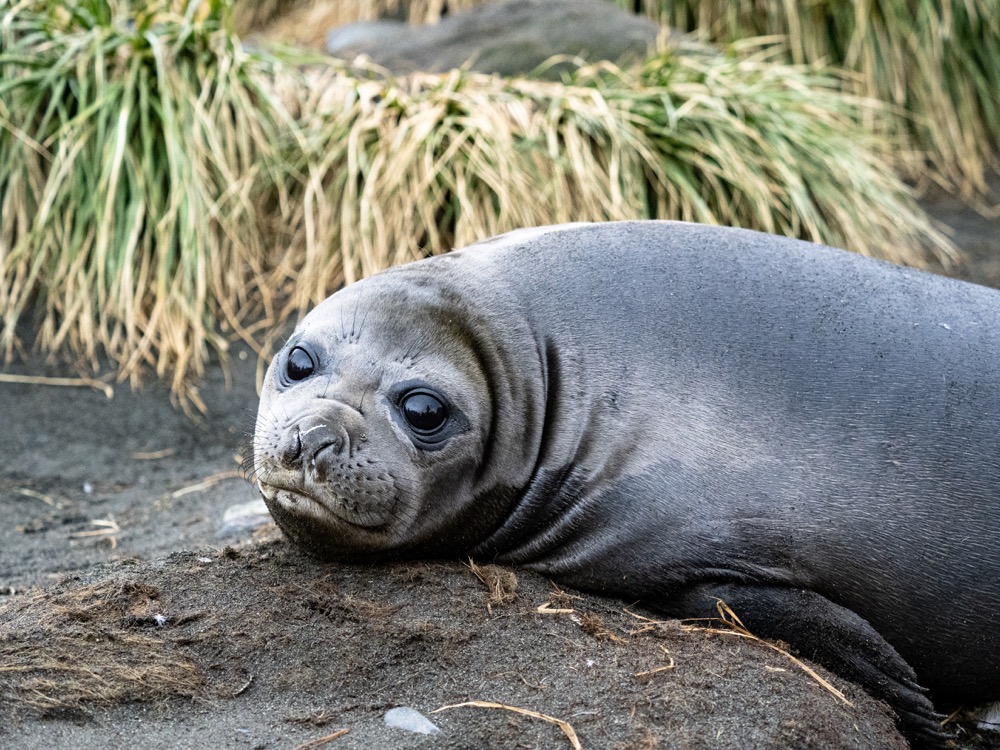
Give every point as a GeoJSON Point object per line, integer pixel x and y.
{"type": "Point", "coordinates": [677, 414]}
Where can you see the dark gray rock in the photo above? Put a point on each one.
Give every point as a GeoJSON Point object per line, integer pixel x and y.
{"type": "Point", "coordinates": [508, 38]}
{"type": "Point", "coordinates": [362, 33]}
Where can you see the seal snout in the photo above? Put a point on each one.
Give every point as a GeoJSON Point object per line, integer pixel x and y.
{"type": "Point", "coordinates": [318, 468]}
{"type": "Point", "coordinates": [312, 439]}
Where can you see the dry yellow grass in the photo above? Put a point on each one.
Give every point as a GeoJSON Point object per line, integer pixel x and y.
{"type": "Point", "coordinates": [402, 169]}
{"type": "Point", "coordinates": [165, 190]}
{"type": "Point", "coordinates": [938, 61]}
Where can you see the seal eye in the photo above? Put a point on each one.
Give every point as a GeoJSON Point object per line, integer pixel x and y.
{"type": "Point", "coordinates": [424, 413]}
{"type": "Point", "coordinates": [299, 364]}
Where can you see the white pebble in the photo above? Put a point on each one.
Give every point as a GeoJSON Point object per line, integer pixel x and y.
{"type": "Point", "coordinates": [410, 720]}
{"type": "Point", "coordinates": [243, 518]}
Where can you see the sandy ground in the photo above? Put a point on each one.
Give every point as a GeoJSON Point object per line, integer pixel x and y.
{"type": "Point", "coordinates": [126, 621]}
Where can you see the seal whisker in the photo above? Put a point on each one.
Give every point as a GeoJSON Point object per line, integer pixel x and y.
{"type": "Point", "coordinates": [354, 325]}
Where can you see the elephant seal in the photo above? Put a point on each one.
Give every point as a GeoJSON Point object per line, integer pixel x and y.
{"type": "Point", "coordinates": [676, 414]}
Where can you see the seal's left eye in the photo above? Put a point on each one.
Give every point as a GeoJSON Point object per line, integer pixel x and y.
{"type": "Point", "coordinates": [424, 412]}
{"type": "Point", "coordinates": [299, 365]}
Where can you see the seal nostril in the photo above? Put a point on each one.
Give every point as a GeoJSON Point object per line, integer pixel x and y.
{"type": "Point", "coordinates": [335, 445]}
{"type": "Point", "coordinates": [290, 448]}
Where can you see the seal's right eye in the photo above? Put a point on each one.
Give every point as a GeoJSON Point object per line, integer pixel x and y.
{"type": "Point", "coordinates": [424, 412]}
{"type": "Point", "coordinates": [300, 364]}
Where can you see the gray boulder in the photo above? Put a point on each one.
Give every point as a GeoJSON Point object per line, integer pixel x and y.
{"type": "Point", "coordinates": [508, 38]}
{"type": "Point", "coordinates": [354, 35]}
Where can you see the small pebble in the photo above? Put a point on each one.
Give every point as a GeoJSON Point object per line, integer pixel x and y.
{"type": "Point", "coordinates": [243, 518]}
{"type": "Point", "coordinates": [410, 720]}
{"type": "Point", "coordinates": [88, 488]}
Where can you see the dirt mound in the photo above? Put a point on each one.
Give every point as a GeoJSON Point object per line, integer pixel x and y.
{"type": "Point", "coordinates": [267, 648]}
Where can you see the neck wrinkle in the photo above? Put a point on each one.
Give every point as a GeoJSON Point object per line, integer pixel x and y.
{"type": "Point", "coordinates": [553, 488]}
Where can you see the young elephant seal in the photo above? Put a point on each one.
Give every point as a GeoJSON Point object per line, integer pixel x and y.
{"type": "Point", "coordinates": [677, 414]}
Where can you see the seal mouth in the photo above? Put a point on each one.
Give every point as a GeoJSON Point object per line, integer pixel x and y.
{"type": "Point", "coordinates": [293, 501]}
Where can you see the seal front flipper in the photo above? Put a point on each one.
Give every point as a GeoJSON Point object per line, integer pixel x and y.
{"type": "Point", "coordinates": [829, 634]}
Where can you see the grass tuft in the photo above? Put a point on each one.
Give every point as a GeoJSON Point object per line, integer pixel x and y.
{"type": "Point", "coordinates": [938, 61]}
{"type": "Point", "coordinates": [137, 161]}
{"type": "Point", "coordinates": [164, 190]}
{"type": "Point", "coordinates": [401, 169]}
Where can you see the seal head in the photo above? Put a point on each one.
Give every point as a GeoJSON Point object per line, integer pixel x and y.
{"type": "Point", "coordinates": [377, 433]}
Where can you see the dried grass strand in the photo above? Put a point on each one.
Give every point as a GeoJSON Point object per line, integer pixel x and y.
{"type": "Point", "coordinates": [735, 627]}
{"type": "Point", "coordinates": [80, 382]}
{"type": "Point", "coordinates": [320, 741]}
{"type": "Point", "coordinates": [565, 726]}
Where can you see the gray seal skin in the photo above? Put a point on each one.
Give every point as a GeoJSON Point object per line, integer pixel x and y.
{"type": "Point", "coordinates": [676, 414]}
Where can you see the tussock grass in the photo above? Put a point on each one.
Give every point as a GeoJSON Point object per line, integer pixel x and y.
{"type": "Point", "coordinates": [939, 61]}
{"type": "Point", "coordinates": [406, 168]}
{"type": "Point", "coordinates": [163, 190]}
{"type": "Point", "coordinates": [137, 171]}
